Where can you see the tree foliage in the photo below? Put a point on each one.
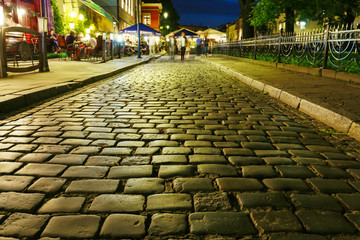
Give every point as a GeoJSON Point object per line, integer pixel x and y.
{"type": "Point", "coordinates": [172, 19]}
{"type": "Point", "coordinates": [58, 19]}
{"type": "Point", "coordinates": [333, 11]}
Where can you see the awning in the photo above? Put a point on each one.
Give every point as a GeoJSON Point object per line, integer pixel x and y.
{"type": "Point", "coordinates": [96, 8]}
{"type": "Point", "coordinates": [144, 30]}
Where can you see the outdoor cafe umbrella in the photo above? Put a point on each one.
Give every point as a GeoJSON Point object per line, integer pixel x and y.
{"type": "Point", "coordinates": [187, 32]}
{"type": "Point", "coordinates": [144, 30]}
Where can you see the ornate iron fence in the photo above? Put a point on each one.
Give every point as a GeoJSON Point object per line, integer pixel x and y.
{"type": "Point", "coordinates": [22, 50]}
{"type": "Point", "coordinates": [335, 47]}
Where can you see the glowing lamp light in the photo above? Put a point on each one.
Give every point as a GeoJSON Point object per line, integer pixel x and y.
{"type": "Point", "coordinates": [73, 14]}
{"type": "Point", "coordinates": [111, 36]}
{"type": "Point", "coordinates": [87, 30]}
{"type": "Point", "coordinates": [1, 15]}
{"type": "Point", "coordinates": [91, 27]}
{"type": "Point", "coordinates": [302, 25]}
{"type": "Point", "coordinates": [81, 17]}
{"type": "Point", "coordinates": [72, 25]}
{"type": "Point", "coordinates": [98, 34]}
{"type": "Point", "coordinates": [167, 27]}
{"type": "Point", "coordinates": [166, 15]}
{"type": "Point", "coordinates": [161, 27]}
{"type": "Point", "coordinates": [21, 12]}
{"type": "Point", "coordinates": [119, 38]}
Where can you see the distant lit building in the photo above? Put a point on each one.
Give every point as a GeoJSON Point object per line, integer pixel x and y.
{"type": "Point", "coordinates": [150, 13]}
{"type": "Point", "coordinates": [234, 30]}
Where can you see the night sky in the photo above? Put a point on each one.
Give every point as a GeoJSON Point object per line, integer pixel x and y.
{"type": "Point", "coordinates": [207, 12]}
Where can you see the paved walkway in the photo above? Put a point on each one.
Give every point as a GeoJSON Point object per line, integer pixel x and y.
{"type": "Point", "coordinates": [337, 95]}
{"type": "Point", "coordinates": [172, 150]}
{"type": "Point", "coordinates": [23, 89]}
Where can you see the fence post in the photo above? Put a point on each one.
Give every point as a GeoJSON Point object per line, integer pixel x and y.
{"type": "Point", "coordinates": [112, 49]}
{"type": "Point", "coordinates": [255, 47]}
{"type": "Point", "coordinates": [279, 48]}
{"type": "Point", "coordinates": [119, 47]}
{"type": "Point", "coordinates": [44, 67]}
{"type": "Point", "coordinates": [326, 42]}
{"type": "Point", "coordinates": [104, 47]}
{"type": "Point", "coordinates": [3, 72]}
{"type": "Point", "coordinates": [240, 46]}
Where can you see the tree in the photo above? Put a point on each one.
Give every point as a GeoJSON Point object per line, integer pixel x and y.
{"type": "Point", "coordinates": [267, 11]}
{"type": "Point", "coordinates": [334, 11]}
{"type": "Point", "coordinates": [246, 11]}
{"type": "Point", "coordinates": [58, 19]}
{"type": "Point", "coordinates": [172, 17]}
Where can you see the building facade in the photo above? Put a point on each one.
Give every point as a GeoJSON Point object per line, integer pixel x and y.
{"type": "Point", "coordinates": [22, 12]}
{"type": "Point", "coordinates": [150, 13]}
{"type": "Point", "coordinates": [126, 13]}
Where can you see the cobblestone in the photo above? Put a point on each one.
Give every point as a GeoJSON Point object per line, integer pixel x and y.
{"type": "Point", "coordinates": [123, 226]}
{"type": "Point", "coordinates": [227, 223]}
{"type": "Point", "coordinates": [144, 185]}
{"type": "Point", "coordinates": [324, 222]}
{"type": "Point", "coordinates": [164, 224]}
{"type": "Point", "coordinates": [20, 201]}
{"type": "Point", "coordinates": [14, 183]}
{"type": "Point", "coordinates": [117, 203]}
{"type": "Point", "coordinates": [22, 225]}
{"type": "Point", "coordinates": [63, 205]}
{"type": "Point", "coordinates": [175, 151]}
{"type": "Point", "coordinates": [276, 221]}
{"type": "Point", "coordinates": [169, 201]}
{"type": "Point", "coordinates": [79, 226]}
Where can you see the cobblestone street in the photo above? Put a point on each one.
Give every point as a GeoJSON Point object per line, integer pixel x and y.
{"type": "Point", "coordinates": [172, 151]}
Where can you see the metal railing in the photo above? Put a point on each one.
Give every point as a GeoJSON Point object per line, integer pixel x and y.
{"type": "Point", "coordinates": [335, 47]}
{"type": "Point", "coordinates": [22, 50]}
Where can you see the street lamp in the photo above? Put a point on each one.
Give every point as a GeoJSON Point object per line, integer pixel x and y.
{"type": "Point", "coordinates": [1, 16]}
{"type": "Point", "coordinates": [114, 25]}
{"type": "Point", "coordinates": [166, 15]}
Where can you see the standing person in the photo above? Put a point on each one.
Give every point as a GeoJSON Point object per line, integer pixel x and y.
{"type": "Point", "coordinates": [53, 44]}
{"type": "Point", "coordinates": [152, 45]}
{"type": "Point", "coordinates": [206, 45]}
{"type": "Point", "coordinates": [188, 48]}
{"type": "Point", "coordinates": [198, 45]}
{"type": "Point", "coordinates": [183, 45]}
{"type": "Point", "coordinates": [172, 44]}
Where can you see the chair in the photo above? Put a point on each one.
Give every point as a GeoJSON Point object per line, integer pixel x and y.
{"type": "Point", "coordinates": [69, 50]}
{"type": "Point", "coordinates": [96, 52]}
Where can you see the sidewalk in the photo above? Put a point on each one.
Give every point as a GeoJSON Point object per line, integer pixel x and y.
{"type": "Point", "coordinates": [24, 89]}
{"type": "Point", "coordinates": [334, 102]}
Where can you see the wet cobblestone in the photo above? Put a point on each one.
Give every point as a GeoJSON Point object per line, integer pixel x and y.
{"type": "Point", "coordinates": [175, 151]}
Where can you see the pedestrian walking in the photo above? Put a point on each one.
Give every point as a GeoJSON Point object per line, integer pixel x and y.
{"type": "Point", "coordinates": [206, 45]}
{"type": "Point", "coordinates": [183, 42]}
{"type": "Point", "coordinates": [172, 44]}
{"type": "Point", "coordinates": [198, 45]}
{"type": "Point", "coordinates": [152, 45]}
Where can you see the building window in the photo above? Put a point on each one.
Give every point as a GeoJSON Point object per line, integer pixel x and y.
{"type": "Point", "coordinates": [147, 18]}
{"type": "Point", "coordinates": [132, 7]}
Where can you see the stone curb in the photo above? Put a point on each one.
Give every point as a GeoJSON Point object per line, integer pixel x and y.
{"type": "Point", "coordinates": [13, 102]}
{"type": "Point", "coordinates": [330, 118]}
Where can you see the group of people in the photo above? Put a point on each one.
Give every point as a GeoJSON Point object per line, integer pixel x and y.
{"type": "Point", "coordinates": [184, 46]}
{"type": "Point", "coordinates": [79, 44]}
